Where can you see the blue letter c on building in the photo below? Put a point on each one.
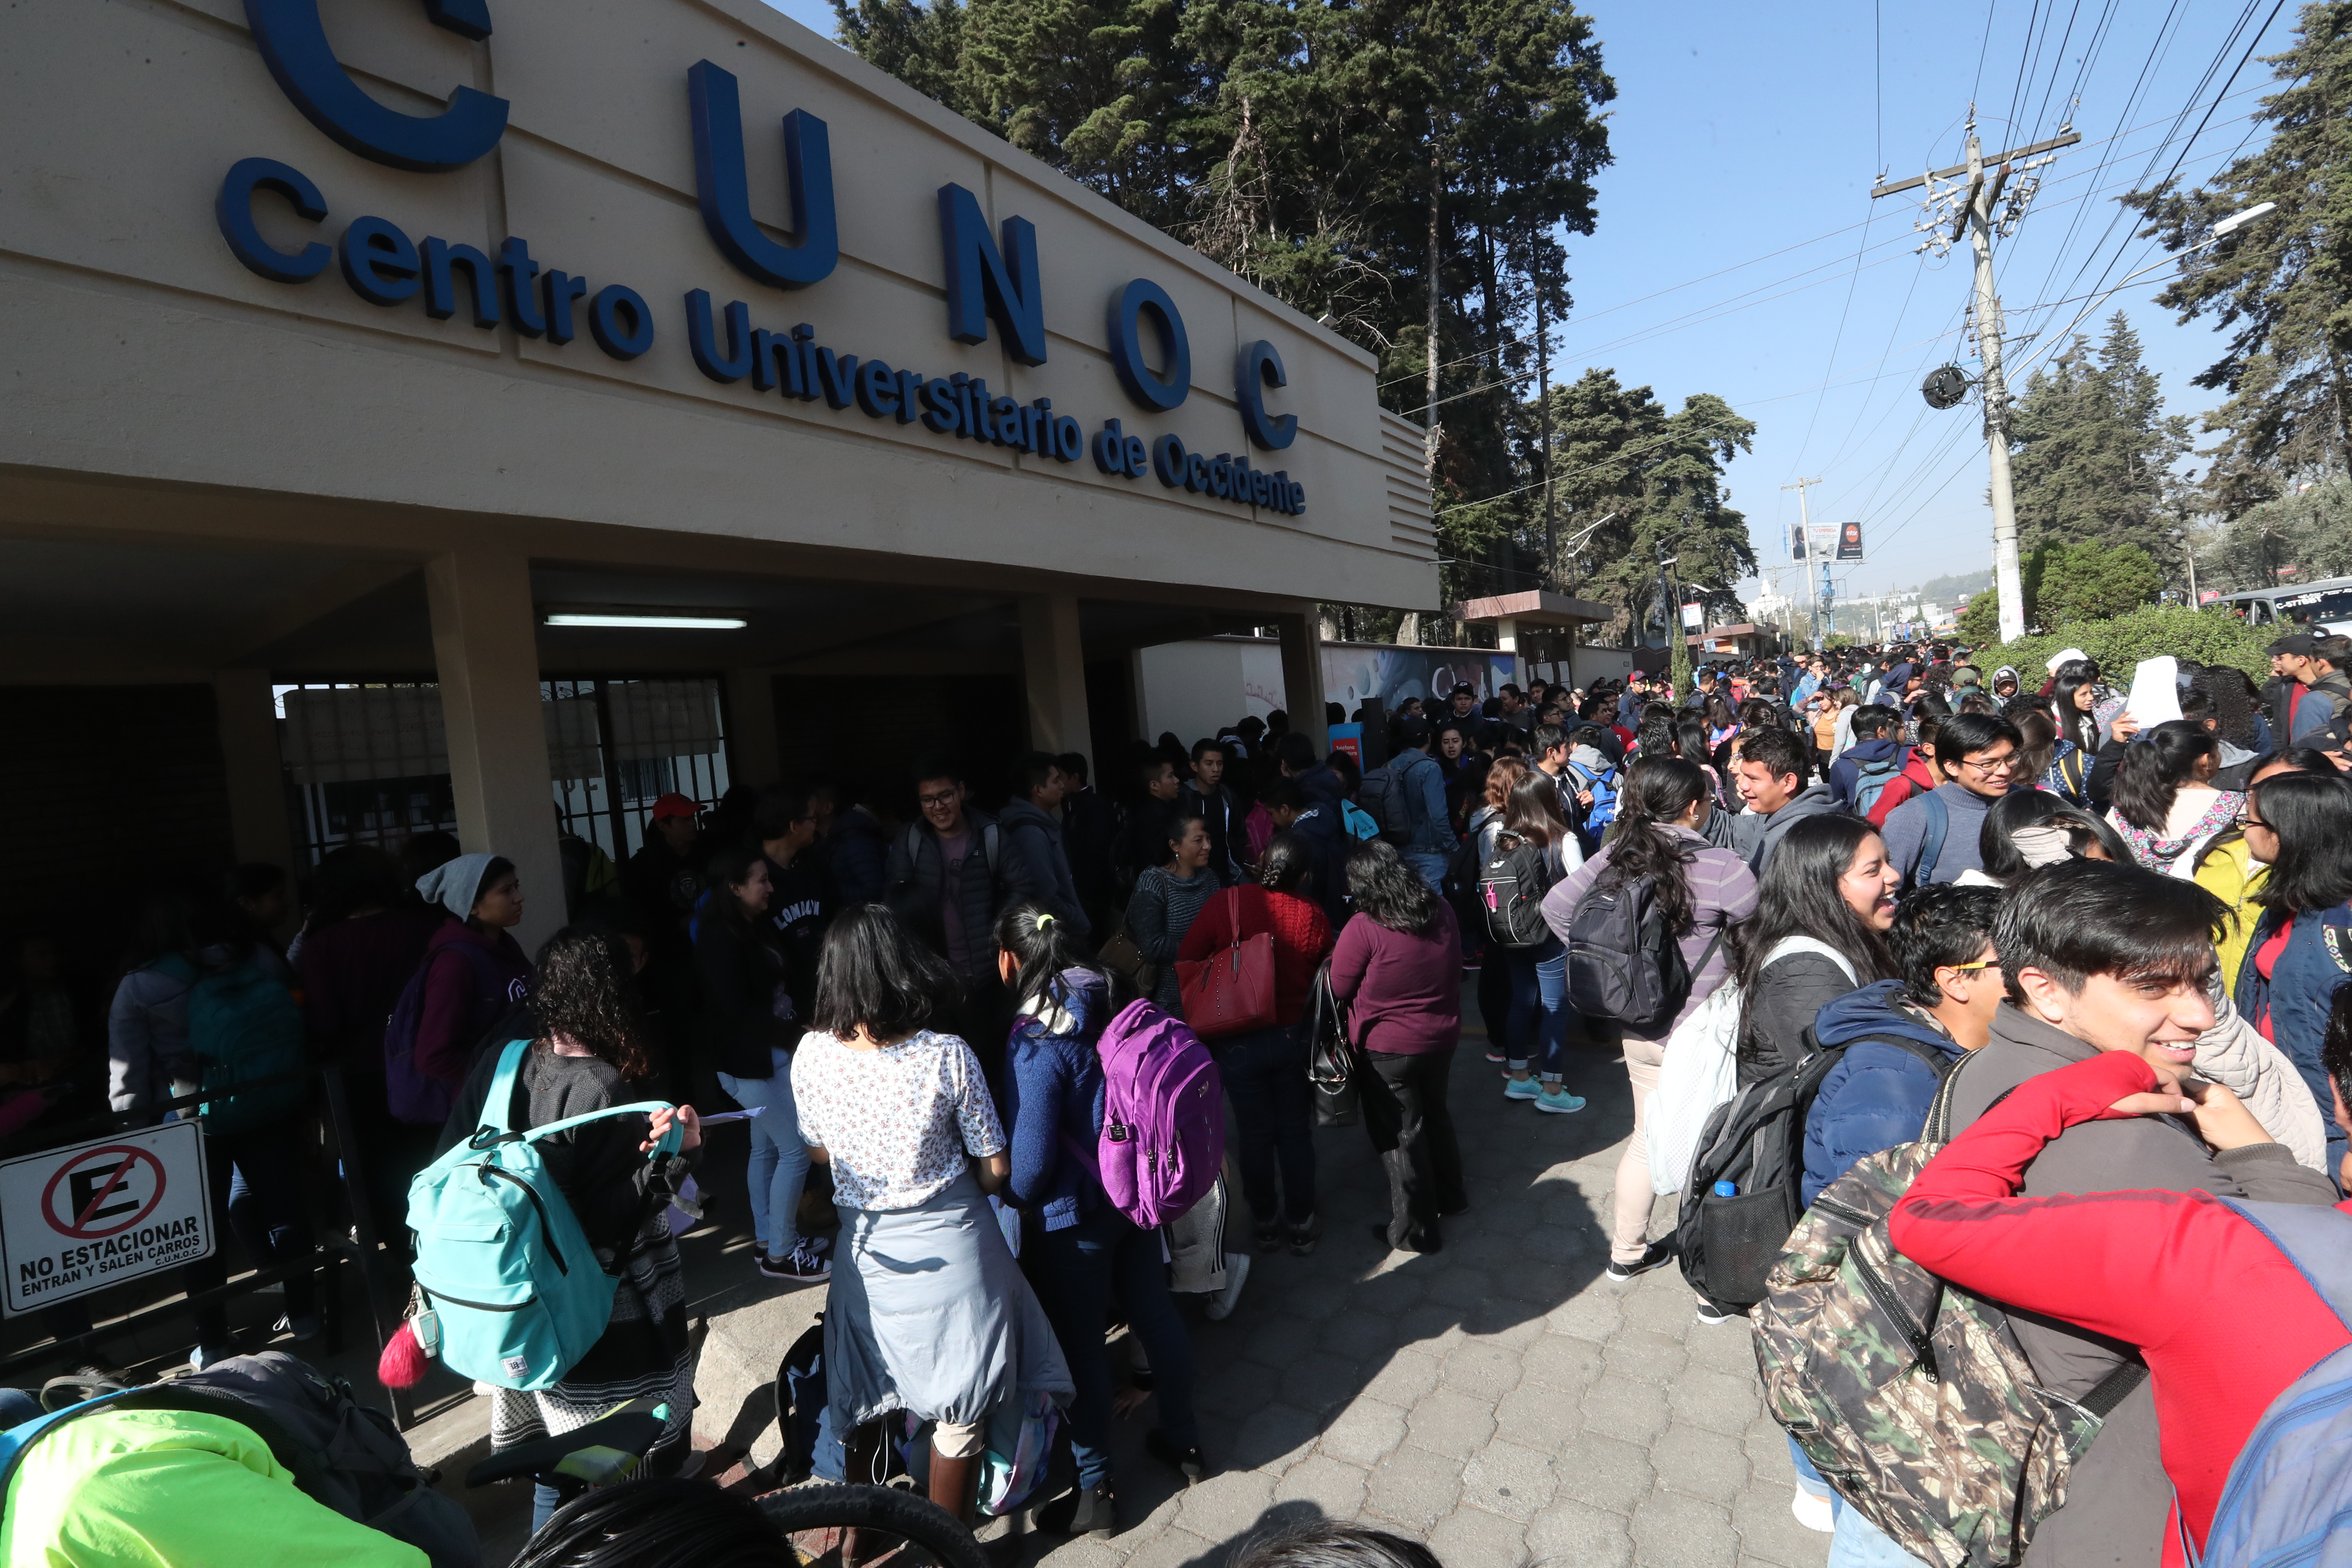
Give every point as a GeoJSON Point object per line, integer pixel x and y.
{"type": "Point", "coordinates": [294, 45]}
{"type": "Point", "coordinates": [1260, 368]}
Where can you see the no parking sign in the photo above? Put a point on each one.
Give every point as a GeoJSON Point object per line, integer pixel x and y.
{"type": "Point", "coordinates": [80, 1220]}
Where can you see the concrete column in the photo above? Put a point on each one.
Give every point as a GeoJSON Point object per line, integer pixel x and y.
{"type": "Point", "coordinates": [1302, 675]}
{"type": "Point", "coordinates": [754, 755]}
{"type": "Point", "coordinates": [1054, 670]}
{"type": "Point", "coordinates": [245, 715]}
{"type": "Point", "coordinates": [1506, 640]}
{"type": "Point", "coordinates": [486, 649]}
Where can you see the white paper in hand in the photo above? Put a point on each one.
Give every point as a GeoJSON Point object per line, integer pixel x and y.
{"type": "Point", "coordinates": [2154, 691]}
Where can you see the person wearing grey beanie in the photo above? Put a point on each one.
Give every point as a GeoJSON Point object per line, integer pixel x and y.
{"type": "Point", "coordinates": [474, 973]}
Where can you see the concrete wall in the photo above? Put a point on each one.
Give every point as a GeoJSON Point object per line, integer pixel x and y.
{"type": "Point", "coordinates": [143, 349]}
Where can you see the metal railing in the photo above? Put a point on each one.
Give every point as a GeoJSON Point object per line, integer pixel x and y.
{"type": "Point", "coordinates": [354, 1246]}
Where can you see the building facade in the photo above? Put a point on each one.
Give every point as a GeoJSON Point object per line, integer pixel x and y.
{"type": "Point", "coordinates": [501, 408]}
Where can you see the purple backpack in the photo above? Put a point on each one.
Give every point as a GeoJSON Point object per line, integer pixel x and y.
{"type": "Point", "coordinates": [417, 1098]}
{"type": "Point", "coordinates": [1163, 1136]}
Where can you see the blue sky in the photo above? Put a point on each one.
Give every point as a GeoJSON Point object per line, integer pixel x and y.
{"type": "Point", "coordinates": [1747, 139]}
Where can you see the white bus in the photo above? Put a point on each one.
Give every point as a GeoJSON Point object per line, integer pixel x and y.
{"type": "Point", "coordinates": [2325, 605]}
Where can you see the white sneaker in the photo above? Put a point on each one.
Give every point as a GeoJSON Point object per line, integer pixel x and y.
{"type": "Point", "coordinates": [1813, 1512]}
{"type": "Point", "coordinates": [1221, 1305]}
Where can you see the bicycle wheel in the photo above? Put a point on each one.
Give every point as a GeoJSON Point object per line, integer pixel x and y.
{"type": "Point", "coordinates": [870, 1527]}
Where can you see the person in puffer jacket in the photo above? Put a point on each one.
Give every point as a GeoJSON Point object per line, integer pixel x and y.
{"type": "Point", "coordinates": [1902, 1036]}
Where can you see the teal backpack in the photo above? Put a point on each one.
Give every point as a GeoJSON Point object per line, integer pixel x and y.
{"type": "Point", "coordinates": [513, 1294]}
{"type": "Point", "coordinates": [244, 1026]}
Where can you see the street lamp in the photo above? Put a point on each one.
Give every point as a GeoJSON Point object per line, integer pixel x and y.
{"type": "Point", "coordinates": [2189, 555]}
{"type": "Point", "coordinates": [1569, 549]}
{"type": "Point", "coordinates": [2221, 231]}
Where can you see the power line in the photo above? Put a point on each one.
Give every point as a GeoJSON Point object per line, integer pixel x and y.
{"type": "Point", "coordinates": [1991, 7]}
{"type": "Point", "coordinates": [1757, 260]}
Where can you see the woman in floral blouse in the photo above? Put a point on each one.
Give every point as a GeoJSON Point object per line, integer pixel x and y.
{"type": "Point", "coordinates": [932, 1316]}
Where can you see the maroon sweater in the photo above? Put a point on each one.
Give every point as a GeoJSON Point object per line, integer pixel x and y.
{"type": "Point", "coordinates": [461, 1001]}
{"type": "Point", "coordinates": [1403, 993]}
{"type": "Point", "coordinates": [351, 973]}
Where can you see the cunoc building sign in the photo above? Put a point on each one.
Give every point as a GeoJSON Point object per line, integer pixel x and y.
{"type": "Point", "coordinates": [990, 278]}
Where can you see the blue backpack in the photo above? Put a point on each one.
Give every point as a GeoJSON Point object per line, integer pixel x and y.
{"type": "Point", "coordinates": [244, 1026]}
{"type": "Point", "coordinates": [1603, 809]}
{"type": "Point", "coordinates": [2289, 1495]}
{"type": "Point", "coordinates": [515, 1294]}
{"type": "Point", "coordinates": [1931, 841]}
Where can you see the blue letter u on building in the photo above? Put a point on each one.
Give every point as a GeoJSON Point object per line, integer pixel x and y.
{"type": "Point", "coordinates": [722, 188]}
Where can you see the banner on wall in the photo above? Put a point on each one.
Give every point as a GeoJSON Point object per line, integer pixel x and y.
{"type": "Point", "coordinates": [1353, 675]}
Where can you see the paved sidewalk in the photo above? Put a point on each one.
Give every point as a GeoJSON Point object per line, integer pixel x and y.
{"type": "Point", "coordinates": [1497, 1399]}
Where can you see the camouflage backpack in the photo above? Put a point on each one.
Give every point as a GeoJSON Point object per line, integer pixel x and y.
{"type": "Point", "coordinates": [1909, 1394]}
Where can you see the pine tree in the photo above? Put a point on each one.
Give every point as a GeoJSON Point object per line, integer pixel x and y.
{"type": "Point", "coordinates": [2281, 285]}
{"type": "Point", "coordinates": [1384, 166]}
{"type": "Point", "coordinates": [2095, 449]}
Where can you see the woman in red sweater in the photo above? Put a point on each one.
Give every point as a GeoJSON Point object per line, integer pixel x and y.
{"type": "Point", "coordinates": [2224, 1318]}
{"type": "Point", "coordinates": [1265, 1070]}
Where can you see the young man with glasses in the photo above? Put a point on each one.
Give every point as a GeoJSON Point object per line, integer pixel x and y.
{"type": "Point", "coordinates": [1901, 1036]}
{"type": "Point", "coordinates": [948, 879]}
{"type": "Point", "coordinates": [2103, 958]}
{"type": "Point", "coordinates": [1933, 837]}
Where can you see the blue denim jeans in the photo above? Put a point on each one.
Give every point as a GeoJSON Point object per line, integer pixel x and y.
{"type": "Point", "coordinates": [17, 1407]}
{"type": "Point", "coordinates": [779, 1160]}
{"type": "Point", "coordinates": [1809, 1479]}
{"type": "Point", "coordinates": [1539, 1007]}
{"type": "Point", "coordinates": [1078, 1270]}
{"type": "Point", "coordinates": [1859, 1543]}
{"type": "Point", "coordinates": [1265, 1072]}
{"type": "Point", "coordinates": [1430, 865]}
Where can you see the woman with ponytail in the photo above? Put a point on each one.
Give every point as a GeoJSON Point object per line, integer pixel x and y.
{"type": "Point", "coordinates": [1699, 890]}
{"type": "Point", "coordinates": [1085, 1251]}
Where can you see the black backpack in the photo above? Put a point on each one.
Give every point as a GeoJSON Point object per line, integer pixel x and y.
{"type": "Point", "coordinates": [800, 1399]}
{"type": "Point", "coordinates": [1386, 797]}
{"type": "Point", "coordinates": [1622, 963]}
{"type": "Point", "coordinates": [1756, 1141]}
{"type": "Point", "coordinates": [1511, 889]}
{"type": "Point", "coordinates": [342, 1454]}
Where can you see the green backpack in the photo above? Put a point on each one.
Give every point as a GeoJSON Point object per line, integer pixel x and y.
{"type": "Point", "coordinates": [1910, 1396]}
{"type": "Point", "coordinates": [513, 1294]}
{"type": "Point", "coordinates": [244, 1026]}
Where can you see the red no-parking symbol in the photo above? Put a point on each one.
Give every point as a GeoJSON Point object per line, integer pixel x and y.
{"type": "Point", "coordinates": [101, 1191]}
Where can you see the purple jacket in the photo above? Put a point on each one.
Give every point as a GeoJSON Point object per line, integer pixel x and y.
{"type": "Point", "coordinates": [1723, 890]}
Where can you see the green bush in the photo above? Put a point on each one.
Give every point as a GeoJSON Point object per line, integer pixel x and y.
{"type": "Point", "coordinates": [2119, 642]}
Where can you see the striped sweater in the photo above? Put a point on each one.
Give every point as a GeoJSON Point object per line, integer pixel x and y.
{"type": "Point", "coordinates": [1723, 890]}
{"type": "Point", "coordinates": [1158, 916]}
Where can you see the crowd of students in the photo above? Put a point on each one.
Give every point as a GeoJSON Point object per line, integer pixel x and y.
{"type": "Point", "coordinates": [1888, 857]}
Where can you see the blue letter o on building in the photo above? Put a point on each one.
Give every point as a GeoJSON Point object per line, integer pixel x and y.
{"type": "Point", "coordinates": [1127, 308]}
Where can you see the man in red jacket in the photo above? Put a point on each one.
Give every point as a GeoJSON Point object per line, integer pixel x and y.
{"type": "Point", "coordinates": [2225, 1319]}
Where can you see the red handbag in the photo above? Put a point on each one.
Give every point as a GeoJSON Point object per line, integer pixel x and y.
{"type": "Point", "coordinates": [1231, 992]}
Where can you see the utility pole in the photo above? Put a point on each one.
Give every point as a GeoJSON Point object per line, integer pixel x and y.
{"type": "Point", "coordinates": [1805, 529]}
{"type": "Point", "coordinates": [1429, 270]}
{"type": "Point", "coordinates": [1543, 416]}
{"type": "Point", "coordinates": [1970, 208]}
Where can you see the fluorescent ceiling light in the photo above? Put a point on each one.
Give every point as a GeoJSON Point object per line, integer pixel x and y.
{"type": "Point", "coordinates": [647, 620]}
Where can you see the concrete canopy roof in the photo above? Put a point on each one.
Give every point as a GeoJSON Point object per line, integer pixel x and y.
{"type": "Point", "coordinates": [1538, 608]}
